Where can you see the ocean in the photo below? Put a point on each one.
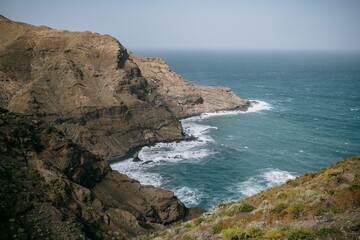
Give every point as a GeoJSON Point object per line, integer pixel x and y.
{"type": "Point", "coordinates": [308, 117]}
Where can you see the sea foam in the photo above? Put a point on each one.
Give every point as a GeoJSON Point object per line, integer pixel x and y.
{"type": "Point", "coordinates": [256, 106]}
{"type": "Point", "coordinates": [268, 178]}
{"type": "Point", "coordinates": [189, 196]}
{"type": "Point", "coordinates": [171, 153]}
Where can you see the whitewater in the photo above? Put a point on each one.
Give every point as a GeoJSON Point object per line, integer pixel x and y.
{"type": "Point", "coordinates": [196, 150]}
{"type": "Point", "coordinates": [307, 118]}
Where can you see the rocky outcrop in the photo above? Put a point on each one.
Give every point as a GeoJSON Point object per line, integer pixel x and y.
{"type": "Point", "coordinates": [182, 97]}
{"type": "Point", "coordinates": [88, 86]}
{"type": "Point", "coordinates": [53, 188]}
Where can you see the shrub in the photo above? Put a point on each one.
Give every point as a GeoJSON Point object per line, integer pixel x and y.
{"type": "Point", "coordinates": [253, 232]}
{"type": "Point", "coordinates": [188, 237]}
{"type": "Point", "coordinates": [280, 207]}
{"type": "Point", "coordinates": [354, 186]}
{"type": "Point", "coordinates": [357, 201]}
{"type": "Point", "coordinates": [335, 210]}
{"type": "Point", "coordinates": [297, 209]}
{"type": "Point", "coordinates": [273, 234]}
{"type": "Point", "coordinates": [355, 227]}
{"type": "Point", "coordinates": [233, 234]}
{"type": "Point", "coordinates": [331, 191]}
{"type": "Point", "coordinates": [228, 213]}
{"type": "Point", "coordinates": [281, 195]}
{"type": "Point", "coordinates": [319, 211]}
{"type": "Point", "coordinates": [216, 229]}
{"type": "Point", "coordinates": [336, 172]}
{"type": "Point", "coordinates": [292, 182]}
{"type": "Point", "coordinates": [299, 233]}
{"type": "Point", "coordinates": [188, 225]}
{"type": "Point", "coordinates": [220, 205]}
{"type": "Point", "coordinates": [323, 232]}
{"type": "Point", "coordinates": [245, 207]}
{"type": "Point", "coordinates": [198, 221]}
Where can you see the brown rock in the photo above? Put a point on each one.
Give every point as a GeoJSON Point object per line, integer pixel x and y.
{"type": "Point", "coordinates": [182, 97]}
{"type": "Point", "coordinates": [98, 198]}
{"type": "Point", "coordinates": [84, 83]}
{"type": "Point", "coordinates": [88, 86]}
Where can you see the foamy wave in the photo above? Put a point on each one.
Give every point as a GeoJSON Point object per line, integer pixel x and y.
{"type": "Point", "coordinates": [167, 153]}
{"type": "Point", "coordinates": [137, 170]}
{"type": "Point", "coordinates": [190, 197]}
{"type": "Point", "coordinates": [173, 152]}
{"type": "Point", "coordinates": [265, 180]}
{"type": "Point", "coordinates": [197, 130]}
{"type": "Point", "coordinates": [256, 106]}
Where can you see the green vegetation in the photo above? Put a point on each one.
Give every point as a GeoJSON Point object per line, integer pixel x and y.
{"type": "Point", "coordinates": [273, 233]}
{"type": "Point", "coordinates": [253, 232]}
{"type": "Point", "coordinates": [233, 234]}
{"type": "Point", "coordinates": [296, 210]}
{"type": "Point", "coordinates": [299, 233]}
{"type": "Point", "coordinates": [355, 227]}
{"type": "Point", "coordinates": [280, 207]}
{"type": "Point", "coordinates": [320, 211]}
{"type": "Point", "coordinates": [188, 225]}
{"type": "Point", "coordinates": [198, 221]}
{"type": "Point", "coordinates": [281, 195]}
{"type": "Point", "coordinates": [188, 237]}
{"type": "Point", "coordinates": [216, 229]}
{"type": "Point", "coordinates": [324, 232]}
{"type": "Point", "coordinates": [354, 186]}
{"type": "Point", "coordinates": [246, 207]}
{"type": "Point", "coordinates": [336, 172]}
{"type": "Point", "coordinates": [281, 210]}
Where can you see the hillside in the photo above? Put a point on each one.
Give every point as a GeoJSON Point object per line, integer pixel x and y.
{"type": "Point", "coordinates": [318, 205]}
{"type": "Point", "coordinates": [88, 86]}
{"type": "Point", "coordinates": [53, 188]}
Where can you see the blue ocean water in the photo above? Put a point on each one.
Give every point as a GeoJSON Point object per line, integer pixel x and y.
{"type": "Point", "coordinates": [307, 119]}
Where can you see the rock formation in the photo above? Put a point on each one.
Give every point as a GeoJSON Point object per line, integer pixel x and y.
{"type": "Point", "coordinates": [73, 98]}
{"type": "Point", "coordinates": [88, 86]}
{"type": "Point", "coordinates": [53, 188]}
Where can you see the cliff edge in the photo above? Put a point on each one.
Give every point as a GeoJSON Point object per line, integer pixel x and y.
{"type": "Point", "coordinates": [88, 86]}
{"type": "Point", "coordinates": [53, 188]}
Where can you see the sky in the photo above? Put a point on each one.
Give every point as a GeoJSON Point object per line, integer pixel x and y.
{"type": "Point", "coordinates": [300, 25]}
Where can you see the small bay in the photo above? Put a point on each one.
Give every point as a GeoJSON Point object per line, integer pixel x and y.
{"type": "Point", "coordinates": [308, 118]}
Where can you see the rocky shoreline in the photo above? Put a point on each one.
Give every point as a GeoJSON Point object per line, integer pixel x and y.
{"type": "Point", "coordinates": [69, 100]}
{"type": "Point", "coordinates": [103, 98]}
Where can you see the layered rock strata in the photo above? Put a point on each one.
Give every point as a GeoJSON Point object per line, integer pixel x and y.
{"type": "Point", "coordinates": [53, 188]}
{"type": "Point", "coordinates": [88, 86]}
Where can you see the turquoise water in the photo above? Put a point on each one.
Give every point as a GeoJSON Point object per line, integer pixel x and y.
{"type": "Point", "coordinates": [307, 119]}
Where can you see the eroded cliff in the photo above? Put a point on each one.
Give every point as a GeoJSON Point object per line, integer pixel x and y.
{"type": "Point", "coordinates": [53, 188]}
{"type": "Point", "coordinates": [88, 86]}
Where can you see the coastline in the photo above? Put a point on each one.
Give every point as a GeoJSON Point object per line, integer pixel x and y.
{"type": "Point", "coordinates": [173, 152]}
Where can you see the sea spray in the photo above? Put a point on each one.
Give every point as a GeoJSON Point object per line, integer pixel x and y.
{"type": "Point", "coordinates": [174, 152]}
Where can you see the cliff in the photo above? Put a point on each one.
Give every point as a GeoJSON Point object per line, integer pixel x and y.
{"type": "Point", "coordinates": [53, 188]}
{"type": "Point", "coordinates": [70, 99]}
{"type": "Point", "coordinates": [318, 205]}
{"type": "Point", "coordinates": [88, 86]}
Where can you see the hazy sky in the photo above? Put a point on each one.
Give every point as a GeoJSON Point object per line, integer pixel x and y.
{"type": "Point", "coordinates": [203, 24]}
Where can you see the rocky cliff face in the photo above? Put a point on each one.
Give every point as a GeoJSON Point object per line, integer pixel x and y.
{"type": "Point", "coordinates": [182, 97]}
{"type": "Point", "coordinates": [89, 87]}
{"type": "Point", "coordinates": [53, 188]}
